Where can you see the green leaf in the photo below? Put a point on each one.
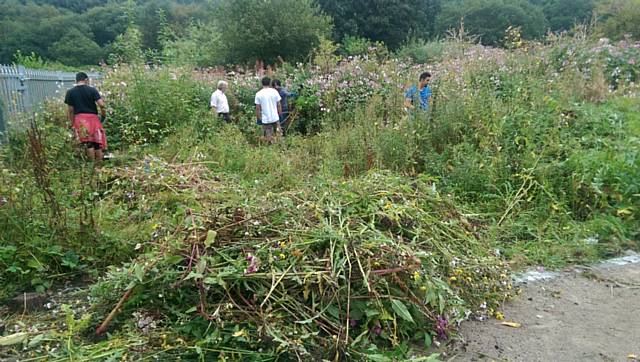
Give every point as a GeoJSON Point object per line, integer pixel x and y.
{"type": "Point", "coordinates": [371, 312]}
{"type": "Point", "coordinates": [379, 358]}
{"type": "Point", "coordinates": [12, 339]}
{"type": "Point", "coordinates": [211, 238]}
{"type": "Point", "coordinates": [36, 341]}
{"type": "Point", "coordinates": [138, 272]}
{"type": "Point", "coordinates": [427, 340]}
{"type": "Point", "coordinates": [401, 310]}
{"type": "Point", "coordinates": [201, 266]}
{"type": "Point", "coordinates": [35, 264]}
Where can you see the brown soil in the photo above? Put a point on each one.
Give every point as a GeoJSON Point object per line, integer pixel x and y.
{"type": "Point", "coordinates": [587, 314]}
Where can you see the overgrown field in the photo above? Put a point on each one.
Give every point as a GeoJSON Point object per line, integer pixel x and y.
{"type": "Point", "coordinates": [364, 234]}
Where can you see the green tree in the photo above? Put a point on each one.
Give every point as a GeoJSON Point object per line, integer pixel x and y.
{"type": "Point", "coordinates": [77, 6]}
{"type": "Point", "coordinates": [564, 14]}
{"type": "Point", "coordinates": [106, 22]}
{"type": "Point", "coordinates": [200, 46]}
{"type": "Point", "coordinates": [619, 18]}
{"type": "Point", "coordinates": [38, 36]}
{"type": "Point", "coordinates": [75, 48]}
{"type": "Point", "coordinates": [127, 48]}
{"type": "Point", "coordinates": [389, 21]}
{"type": "Point", "coordinates": [489, 19]}
{"type": "Point", "coordinates": [267, 29]}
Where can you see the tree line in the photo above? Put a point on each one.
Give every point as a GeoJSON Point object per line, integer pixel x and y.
{"type": "Point", "coordinates": [213, 32]}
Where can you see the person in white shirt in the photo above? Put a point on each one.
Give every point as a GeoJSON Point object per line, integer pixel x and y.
{"type": "Point", "coordinates": [219, 103]}
{"type": "Point", "coordinates": [268, 109]}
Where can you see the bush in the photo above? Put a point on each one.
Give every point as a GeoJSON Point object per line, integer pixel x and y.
{"type": "Point", "coordinates": [147, 105]}
{"type": "Point", "coordinates": [421, 51]}
{"type": "Point", "coordinates": [353, 45]}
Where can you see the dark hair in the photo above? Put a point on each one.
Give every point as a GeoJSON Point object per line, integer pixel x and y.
{"type": "Point", "coordinates": [276, 82]}
{"type": "Point", "coordinates": [425, 75]}
{"type": "Point", "coordinates": [266, 81]}
{"type": "Point", "coordinates": [81, 76]}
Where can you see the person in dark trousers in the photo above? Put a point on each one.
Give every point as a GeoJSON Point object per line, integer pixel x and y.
{"type": "Point", "coordinates": [268, 110]}
{"type": "Point", "coordinates": [219, 103]}
{"type": "Point", "coordinates": [82, 111]}
{"type": "Point", "coordinates": [284, 94]}
{"type": "Point", "coordinates": [419, 96]}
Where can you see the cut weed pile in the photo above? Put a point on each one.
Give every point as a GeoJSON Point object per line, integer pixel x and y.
{"type": "Point", "coordinates": [317, 273]}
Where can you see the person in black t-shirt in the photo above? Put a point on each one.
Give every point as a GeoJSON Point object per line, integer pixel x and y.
{"type": "Point", "coordinates": [83, 101]}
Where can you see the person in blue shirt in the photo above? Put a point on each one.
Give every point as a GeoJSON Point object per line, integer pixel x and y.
{"type": "Point", "coordinates": [420, 95]}
{"type": "Point", "coordinates": [284, 94]}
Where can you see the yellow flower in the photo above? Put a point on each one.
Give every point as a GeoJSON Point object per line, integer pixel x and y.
{"type": "Point", "coordinates": [423, 288]}
{"type": "Point", "coordinates": [499, 316]}
{"type": "Point", "coordinates": [282, 256]}
{"type": "Point", "coordinates": [241, 333]}
{"type": "Point", "coordinates": [453, 279]}
{"type": "Point", "coordinates": [416, 276]}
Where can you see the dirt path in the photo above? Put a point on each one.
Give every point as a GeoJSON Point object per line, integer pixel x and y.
{"type": "Point", "coordinates": [589, 314]}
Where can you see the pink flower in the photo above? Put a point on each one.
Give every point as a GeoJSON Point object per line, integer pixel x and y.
{"type": "Point", "coordinates": [441, 328]}
{"type": "Point", "coordinates": [376, 329]}
{"type": "Point", "coordinates": [254, 264]}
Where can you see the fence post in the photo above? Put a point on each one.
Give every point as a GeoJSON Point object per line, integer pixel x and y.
{"type": "Point", "coordinates": [3, 127]}
{"type": "Point", "coordinates": [22, 88]}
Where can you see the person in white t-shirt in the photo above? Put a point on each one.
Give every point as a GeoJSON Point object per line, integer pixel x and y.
{"type": "Point", "coordinates": [219, 103]}
{"type": "Point", "coordinates": [268, 109]}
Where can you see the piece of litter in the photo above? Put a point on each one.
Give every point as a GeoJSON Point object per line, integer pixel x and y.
{"type": "Point", "coordinates": [538, 316]}
{"type": "Point", "coordinates": [632, 356]}
{"type": "Point", "coordinates": [511, 324]}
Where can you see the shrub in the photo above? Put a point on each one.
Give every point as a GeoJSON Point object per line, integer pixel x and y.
{"type": "Point", "coordinates": [353, 45]}
{"type": "Point", "coordinates": [147, 105]}
{"type": "Point", "coordinates": [421, 51]}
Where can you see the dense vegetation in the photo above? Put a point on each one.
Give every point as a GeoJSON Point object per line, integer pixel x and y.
{"type": "Point", "coordinates": [215, 32]}
{"type": "Point", "coordinates": [362, 235]}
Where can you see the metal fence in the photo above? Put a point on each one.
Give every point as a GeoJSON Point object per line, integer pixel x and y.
{"type": "Point", "coordinates": [23, 89]}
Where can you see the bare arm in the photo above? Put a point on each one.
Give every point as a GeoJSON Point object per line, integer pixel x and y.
{"type": "Point", "coordinates": [407, 103]}
{"type": "Point", "coordinates": [70, 114]}
{"type": "Point", "coordinates": [279, 109]}
{"type": "Point", "coordinates": [258, 112]}
{"type": "Point", "coordinates": [103, 107]}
